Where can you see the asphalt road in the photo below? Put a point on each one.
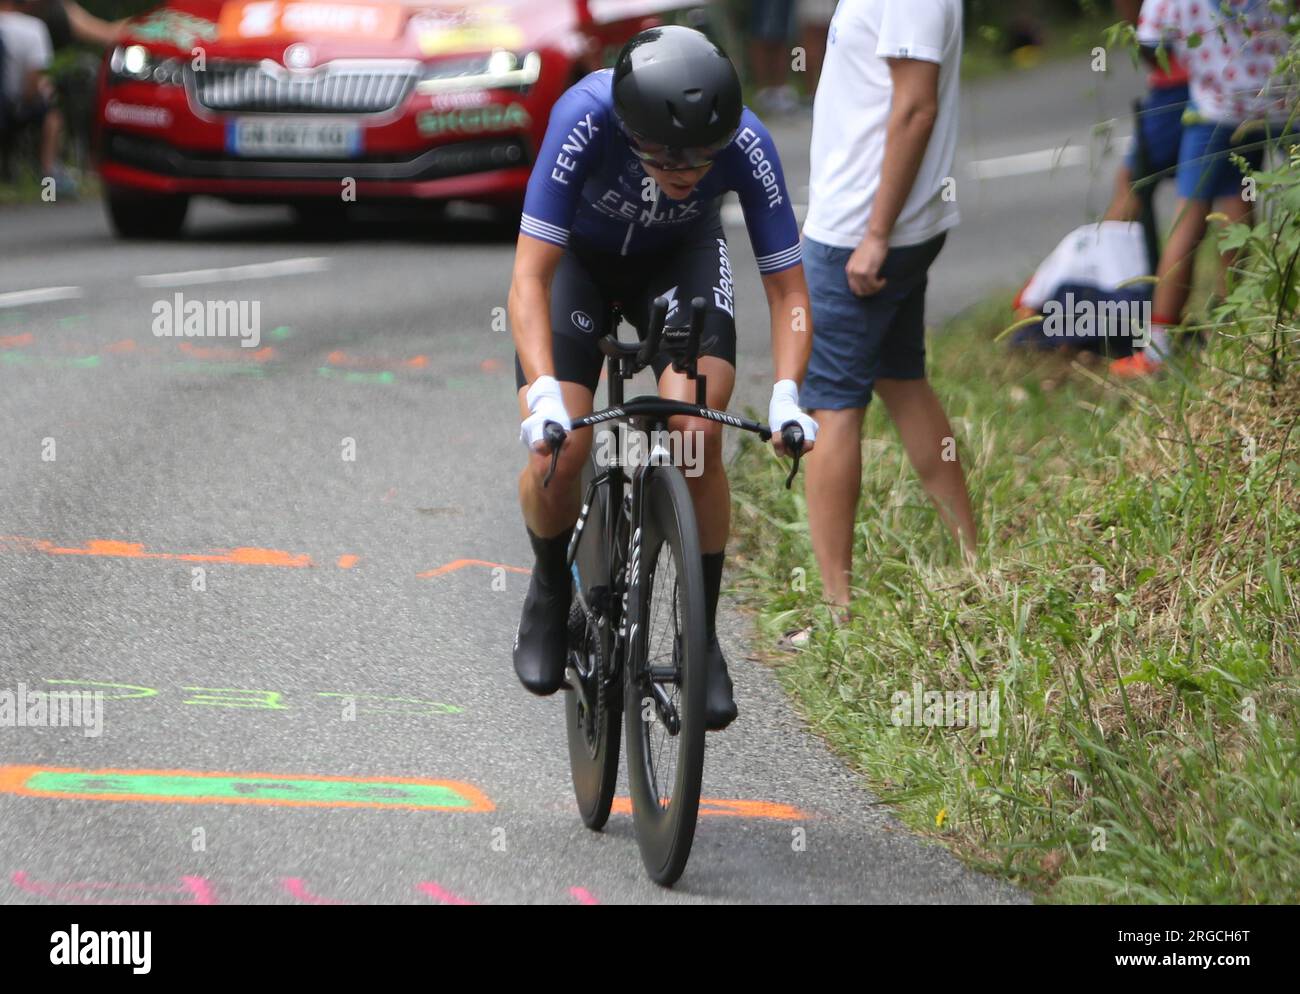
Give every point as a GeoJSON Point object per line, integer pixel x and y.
{"type": "Point", "coordinates": [353, 617]}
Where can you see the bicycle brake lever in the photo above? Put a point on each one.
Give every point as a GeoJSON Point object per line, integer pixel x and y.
{"type": "Point", "coordinates": [792, 438]}
{"type": "Point", "coordinates": [554, 436]}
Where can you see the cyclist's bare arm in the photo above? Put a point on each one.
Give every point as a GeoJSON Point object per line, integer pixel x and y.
{"type": "Point", "coordinates": [792, 331]}
{"type": "Point", "coordinates": [530, 304]}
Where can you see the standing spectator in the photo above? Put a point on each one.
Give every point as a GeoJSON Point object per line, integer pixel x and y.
{"type": "Point", "coordinates": [1230, 52]}
{"type": "Point", "coordinates": [771, 23]}
{"type": "Point", "coordinates": [884, 136]}
{"type": "Point", "coordinates": [814, 24]}
{"type": "Point", "coordinates": [28, 89]}
{"type": "Point", "coordinates": [1160, 123]}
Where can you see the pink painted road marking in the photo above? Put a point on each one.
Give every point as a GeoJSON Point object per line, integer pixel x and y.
{"type": "Point", "coordinates": [582, 895]}
{"type": "Point", "coordinates": [442, 896]}
{"type": "Point", "coordinates": [197, 889]}
{"type": "Point", "coordinates": [298, 889]}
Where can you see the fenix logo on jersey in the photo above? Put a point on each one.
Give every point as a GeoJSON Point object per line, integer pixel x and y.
{"type": "Point", "coordinates": [77, 948]}
{"type": "Point", "coordinates": [616, 204]}
{"type": "Point", "coordinates": [579, 138]}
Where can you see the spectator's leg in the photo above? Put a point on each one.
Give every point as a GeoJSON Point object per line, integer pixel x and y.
{"type": "Point", "coordinates": [927, 438]}
{"type": "Point", "coordinates": [832, 487]}
{"type": "Point", "coordinates": [769, 53]}
{"type": "Point", "coordinates": [814, 44]}
{"type": "Point", "coordinates": [1124, 203]}
{"type": "Point", "coordinates": [1177, 262]}
{"type": "Point", "coordinates": [51, 139]}
{"type": "Point", "coordinates": [1238, 210]}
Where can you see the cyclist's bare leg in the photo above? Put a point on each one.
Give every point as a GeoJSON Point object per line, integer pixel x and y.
{"type": "Point", "coordinates": [711, 495]}
{"type": "Point", "coordinates": [927, 438]}
{"type": "Point", "coordinates": [550, 510]}
{"type": "Point", "coordinates": [709, 488]}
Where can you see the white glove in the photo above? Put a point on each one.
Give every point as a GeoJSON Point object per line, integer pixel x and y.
{"type": "Point", "coordinates": [784, 408]}
{"type": "Point", "coordinates": [545, 403]}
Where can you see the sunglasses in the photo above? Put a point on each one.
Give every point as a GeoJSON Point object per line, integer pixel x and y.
{"type": "Point", "coordinates": [675, 160]}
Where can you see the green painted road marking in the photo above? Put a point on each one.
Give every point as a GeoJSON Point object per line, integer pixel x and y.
{"type": "Point", "coordinates": [281, 333]}
{"type": "Point", "coordinates": [18, 359]}
{"type": "Point", "coordinates": [267, 790]}
{"type": "Point", "coordinates": [354, 377]}
{"type": "Point", "coordinates": [72, 319]}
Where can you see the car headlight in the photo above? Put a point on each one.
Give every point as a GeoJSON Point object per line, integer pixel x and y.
{"type": "Point", "coordinates": [499, 70]}
{"type": "Point", "coordinates": [137, 64]}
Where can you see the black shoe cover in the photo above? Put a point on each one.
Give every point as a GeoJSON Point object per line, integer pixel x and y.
{"type": "Point", "coordinates": [542, 641]}
{"type": "Point", "coordinates": [719, 702]}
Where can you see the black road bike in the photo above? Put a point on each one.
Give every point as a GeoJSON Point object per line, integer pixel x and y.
{"type": "Point", "coordinates": [637, 637]}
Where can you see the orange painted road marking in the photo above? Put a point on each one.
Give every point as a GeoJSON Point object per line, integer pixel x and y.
{"type": "Point", "coordinates": [242, 556]}
{"type": "Point", "coordinates": [462, 563]}
{"type": "Point", "coordinates": [715, 808]}
{"type": "Point", "coordinates": [193, 787]}
{"type": "Point", "coordinates": [340, 358]}
{"type": "Point", "coordinates": [263, 354]}
{"type": "Point", "coordinates": [347, 562]}
{"type": "Point", "coordinates": [125, 345]}
{"type": "Point", "coordinates": [15, 341]}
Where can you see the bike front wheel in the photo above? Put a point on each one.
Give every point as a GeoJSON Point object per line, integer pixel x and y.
{"type": "Point", "coordinates": [591, 707]}
{"type": "Point", "coordinates": [665, 676]}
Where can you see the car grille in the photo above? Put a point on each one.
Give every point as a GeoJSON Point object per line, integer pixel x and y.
{"type": "Point", "coordinates": [334, 88]}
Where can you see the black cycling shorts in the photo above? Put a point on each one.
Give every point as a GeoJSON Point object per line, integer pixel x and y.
{"type": "Point", "coordinates": [587, 284]}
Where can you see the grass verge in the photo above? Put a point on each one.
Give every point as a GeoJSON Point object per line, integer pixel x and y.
{"type": "Point", "coordinates": [1135, 610]}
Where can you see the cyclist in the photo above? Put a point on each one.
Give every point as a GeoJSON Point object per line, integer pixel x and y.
{"type": "Point", "coordinates": [623, 206]}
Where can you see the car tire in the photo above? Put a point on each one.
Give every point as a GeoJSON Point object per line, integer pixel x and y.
{"type": "Point", "coordinates": [322, 218]}
{"type": "Point", "coordinates": [135, 216]}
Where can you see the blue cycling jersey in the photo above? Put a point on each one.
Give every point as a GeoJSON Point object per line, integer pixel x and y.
{"type": "Point", "coordinates": [588, 184]}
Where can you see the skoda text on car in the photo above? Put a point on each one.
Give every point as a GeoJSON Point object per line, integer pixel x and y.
{"type": "Point", "coordinates": [322, 102]}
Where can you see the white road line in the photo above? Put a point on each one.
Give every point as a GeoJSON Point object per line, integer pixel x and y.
{"type": "Point", "coordinates": [256, 271]}
{"type": "Point", "coordinates": [17, 298]}
{"type": "Point", "coordinates": [1044, 161]}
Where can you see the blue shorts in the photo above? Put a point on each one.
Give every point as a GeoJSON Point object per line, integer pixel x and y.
{"type": "Point", "coordinates": [857, 340]}
{"type": "Point", "coordinates": [1204, 170]}
{"type": "Point", "coordinates": [1161, 124]}
{"type": "Point", "coordinates": [771, 20]}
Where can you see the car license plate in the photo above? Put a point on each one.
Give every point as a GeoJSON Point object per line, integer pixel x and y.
{"type": "Point", "coordinates": [290, 138]}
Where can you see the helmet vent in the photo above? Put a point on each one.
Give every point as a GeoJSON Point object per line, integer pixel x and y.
{"type": "Point", "coordinates": [693, 96]}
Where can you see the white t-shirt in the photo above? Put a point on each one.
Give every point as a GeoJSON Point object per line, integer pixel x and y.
{"type": "Point", "coordinates": [1230, 56]}
{"type": "Point", "coordinates": [27, 47]}
{"type": "Point", "coordinates": [851, 114]}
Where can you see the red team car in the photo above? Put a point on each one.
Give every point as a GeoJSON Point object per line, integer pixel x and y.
{"type": "Point", "coordinates": [318, 102]}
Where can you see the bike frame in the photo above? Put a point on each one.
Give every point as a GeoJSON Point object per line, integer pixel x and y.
{"type": "Point", "coordinates": [650, 415]}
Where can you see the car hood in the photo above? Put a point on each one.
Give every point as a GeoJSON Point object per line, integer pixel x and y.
{"type": "Point", "coordinates": [332, 29]}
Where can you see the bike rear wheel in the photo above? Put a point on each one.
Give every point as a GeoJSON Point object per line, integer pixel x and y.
{"type": "Point", "coordinates": [665, 677]}
{"type": "Point", "coordinates": [591, 705]}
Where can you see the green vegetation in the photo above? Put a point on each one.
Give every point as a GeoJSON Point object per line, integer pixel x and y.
{"type": "Point", "coordinates": [1135, 605]}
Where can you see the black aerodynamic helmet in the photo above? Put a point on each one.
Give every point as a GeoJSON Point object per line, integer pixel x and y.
{"type": "Point", "coordinates": [673, 87]}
